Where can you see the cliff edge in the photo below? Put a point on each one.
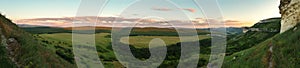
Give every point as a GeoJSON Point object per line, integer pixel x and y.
{"type": "Point", "coordinates": [290, 13]}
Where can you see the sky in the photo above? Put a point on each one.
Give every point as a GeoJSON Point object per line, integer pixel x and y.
{"type": "Point", "coordinates": [243, 12]}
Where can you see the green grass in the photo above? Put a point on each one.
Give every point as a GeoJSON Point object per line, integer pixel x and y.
{"type": "Point", "coordinates": [31, 53]}
{"type": "Point", "coordinates": [143, 41]}
{"type": "Point", "coordinates": [62, 42]}
{"type": "Point", "coordinates": [254, 57]}
{"type": "Point", "coordinates": [252, 38]}
{"type": "Point", "coordinates": [136, 41]}
{"type": "Point", "coordinates": [250, 50]}
{"type": "Point", "coordinates": [286, 52]}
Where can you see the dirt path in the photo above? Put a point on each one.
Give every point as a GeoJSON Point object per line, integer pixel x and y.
{"type": "Point", "coordinates": [270, 62]}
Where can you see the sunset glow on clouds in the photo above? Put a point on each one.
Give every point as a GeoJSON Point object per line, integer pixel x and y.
{"type": "Point", "coordinates": [108, 21]}
{"type": "Point", "coordinates": [61, 13]}
{"type": "Point", "coordinates": [192, 10]}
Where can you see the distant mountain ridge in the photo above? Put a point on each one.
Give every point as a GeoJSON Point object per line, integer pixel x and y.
{"type": "Point", "coordinates": [27, 25]}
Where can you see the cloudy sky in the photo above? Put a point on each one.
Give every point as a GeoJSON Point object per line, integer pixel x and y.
{"type": "Point", "coordinates": [61, 12]}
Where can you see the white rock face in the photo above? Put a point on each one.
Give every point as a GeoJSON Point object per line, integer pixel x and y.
{"type": "Point", "coordinates": [290, 13]}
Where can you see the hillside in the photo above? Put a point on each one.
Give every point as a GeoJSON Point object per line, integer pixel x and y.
{"type": "Point", "coordinates": [20, 49]}
{"type": "Point", "coordinates": [250, 50]}
{"type": "Point", "coordinates": [280, 51]}
{"type": "Point", "coordinates": [286, 49]}
{"type": "Point", "coordinates": [256, 34]}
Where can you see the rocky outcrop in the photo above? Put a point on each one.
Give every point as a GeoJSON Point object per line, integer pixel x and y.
{"type": "Point", "coordinates": [8, 44]}
{"type": "Point", "coordinates": [290, 13]}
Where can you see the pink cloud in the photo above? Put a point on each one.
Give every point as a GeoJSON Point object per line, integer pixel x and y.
{"type": "Point", "coordinates": [169, 9]}
{"type": "Point", "coordinates": [108, 21]}
{"type": "Point", "coordinates": [232, 21]}
{"type": "Point", "coordinates": [204, 23]}
{"type": "Point", "coordinates": [190, 10]}
{"type": "Point", "coordinates": [161, 9]}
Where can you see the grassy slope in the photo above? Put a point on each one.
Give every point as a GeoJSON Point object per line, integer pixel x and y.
{"type": "Point", "coordinates": [62, 43]}
{"type": "Point", "coordinates": [287, 49]}
{"type": "Point", "coordinates": [286, 53]}
{"type": "Point", "coordinates": [251, 38]}
{"type": "Point", "coordinates": [249, 58]}
{"type": "Point", "coordinates": [32, 53]}
{"type": "Point", "coordinates": [244, 50]}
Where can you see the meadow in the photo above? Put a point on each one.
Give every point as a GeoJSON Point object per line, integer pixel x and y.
{"type": "Point", "coordinates": [62, 44]}
{"type": "Point", "coordinates": [103, 39]}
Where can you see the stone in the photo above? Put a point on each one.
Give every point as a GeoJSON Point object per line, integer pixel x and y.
{"type": "Point", "coordinates": [11, 40]}
{"type": "Point", "coordinates": [290, 13]}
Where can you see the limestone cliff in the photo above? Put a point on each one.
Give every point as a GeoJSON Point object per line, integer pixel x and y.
{"type": "Point", "coordinates": [289, 10]}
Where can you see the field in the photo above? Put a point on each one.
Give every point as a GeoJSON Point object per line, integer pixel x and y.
{"type": "Point", "coordinates": [136, 41]}
{"type": "Point", "coordinates": [143, 41]}
{"type": "Point", "coordinates": [62, 43]}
